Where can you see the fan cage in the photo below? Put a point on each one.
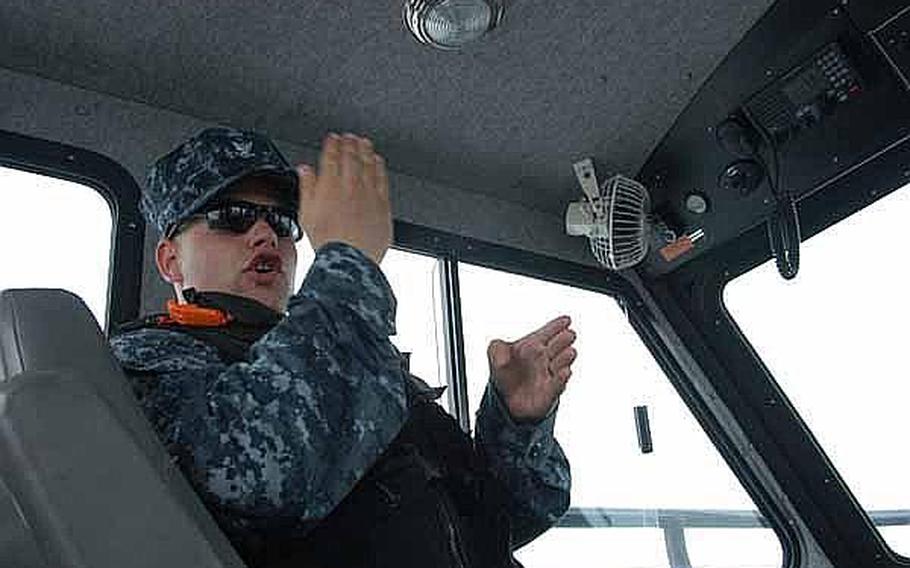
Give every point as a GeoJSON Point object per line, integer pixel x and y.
{"type": "Point", "coordinates": [618, 239]}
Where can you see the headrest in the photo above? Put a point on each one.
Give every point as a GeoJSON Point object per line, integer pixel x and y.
{"type": "Point", "coordinates": [90, 458]}
{"type": "Point", "coordinates": [46, 330]}
{"type": "Point", "coordinates": [53, 330]}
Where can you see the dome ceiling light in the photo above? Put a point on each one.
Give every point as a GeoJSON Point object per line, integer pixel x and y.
{"type": "Point", "coordinates": [450, 24]}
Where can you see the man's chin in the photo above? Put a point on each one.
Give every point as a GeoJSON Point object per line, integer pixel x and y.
{"type": "Point", "coordinates": [272, 290]}
{"type": "Point", "coordinates": [275, 297]}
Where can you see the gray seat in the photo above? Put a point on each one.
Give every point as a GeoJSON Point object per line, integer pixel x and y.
{"type": "Point", "coordinates": [84, 482]}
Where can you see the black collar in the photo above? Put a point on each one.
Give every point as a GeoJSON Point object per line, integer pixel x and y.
{"type": "Point", "coordinates": [242, 310]}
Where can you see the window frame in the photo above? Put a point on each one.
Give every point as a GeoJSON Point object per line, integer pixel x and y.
{"type": "Point", "coordinates": [449, 250]}
{"type": "Point", "coordinates": [646, 319]}
{"type": "Point", "coordinates": [692, 299]}
{"type": "Point", "coordinates": [118, 188]}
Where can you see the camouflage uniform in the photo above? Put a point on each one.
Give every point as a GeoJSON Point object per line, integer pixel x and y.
{"type": "Point", "coordinates": [301, 415]}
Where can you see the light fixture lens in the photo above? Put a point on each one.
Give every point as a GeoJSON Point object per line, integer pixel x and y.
{"type": "Point", "coordinates": [457, 22]}
{"type": "Point", "coordinates": [450, 24]}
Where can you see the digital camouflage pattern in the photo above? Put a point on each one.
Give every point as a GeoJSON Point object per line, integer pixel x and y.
{"type": "Point", "coordinates": [287, 434]}
{"type": "Point", "coordinates": [527, 459]}
{"type": "Point", "coordinates": [182, 181]}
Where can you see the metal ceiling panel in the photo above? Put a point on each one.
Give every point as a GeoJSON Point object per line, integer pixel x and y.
{"type": "Point", "coordinates": [506, 117]}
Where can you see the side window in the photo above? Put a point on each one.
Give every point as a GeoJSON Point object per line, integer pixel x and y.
{"type": "Point", "coordinates": [55, 233]}
{"type": "Point", "coordinates": [833, 338]}
{"type": "Point", "coordinates": [413, 279]}
{"type": "Point", "coordinates": [679, 505]}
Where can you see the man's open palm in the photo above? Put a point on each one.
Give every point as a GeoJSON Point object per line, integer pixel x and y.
{"type": "Point", "coordinates": [532, 372]}
{"type": "Point", "coordinates": [348, 200]}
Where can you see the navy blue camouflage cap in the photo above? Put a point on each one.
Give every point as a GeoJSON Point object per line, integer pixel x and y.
{"type": "Point", "coordinates": [184, 180]}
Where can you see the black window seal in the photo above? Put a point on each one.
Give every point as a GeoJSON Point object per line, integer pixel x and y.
{"type": "Point", "coordinates": [118, 188]}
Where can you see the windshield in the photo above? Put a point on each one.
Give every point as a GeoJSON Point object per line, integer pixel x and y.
{"type": "Point", "coordinates": [675, 506]}
{"type": "Point", "coordinates": [833, 340]}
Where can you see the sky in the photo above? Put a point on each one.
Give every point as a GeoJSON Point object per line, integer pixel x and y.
{"type": "Point", "coordinates": [831, 339]}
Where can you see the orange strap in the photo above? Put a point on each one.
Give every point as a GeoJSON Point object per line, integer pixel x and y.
{"type": "Point", "coordinates": [194, 316]}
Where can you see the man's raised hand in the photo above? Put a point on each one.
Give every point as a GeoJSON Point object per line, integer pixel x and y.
{"type": "Point", "coordinates": [348, 200]}
{"type": "Point", "coordinates": [532, 372]}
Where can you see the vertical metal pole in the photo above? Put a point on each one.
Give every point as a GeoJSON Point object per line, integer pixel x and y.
{"type": "Point", "coordinates": [675, 540]}
{"type": "Point", "coordinates": [453, 339]}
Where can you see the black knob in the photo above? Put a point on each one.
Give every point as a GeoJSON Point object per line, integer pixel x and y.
{"type": "Point", "coordinates": [742, 177]}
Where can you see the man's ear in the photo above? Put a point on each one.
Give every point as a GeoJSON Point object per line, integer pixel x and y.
{"type": "Point", "coordinates": [167, 257]}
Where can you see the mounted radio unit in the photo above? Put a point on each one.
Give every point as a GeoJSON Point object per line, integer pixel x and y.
{"type": "Point", "coordinates": [807, 95]}
{"type": "Point", "coordinates": [799, 105]}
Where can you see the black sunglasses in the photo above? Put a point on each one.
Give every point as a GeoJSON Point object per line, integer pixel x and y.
{"type": "Point", "coordinates": [239, 216]}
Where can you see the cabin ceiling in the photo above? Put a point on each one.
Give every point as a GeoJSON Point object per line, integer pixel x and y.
{"type": "Point", "coordinates": [507, 116]}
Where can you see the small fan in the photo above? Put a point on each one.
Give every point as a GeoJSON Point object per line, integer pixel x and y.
{"type": "Point", "coordinates": [616, 217]}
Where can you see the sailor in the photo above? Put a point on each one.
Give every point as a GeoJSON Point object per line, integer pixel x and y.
{"type": "Point", "coordinates": [291, 412]}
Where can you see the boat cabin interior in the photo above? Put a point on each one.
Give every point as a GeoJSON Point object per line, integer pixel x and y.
{"type": "Point", "coordinates": [715, 192]}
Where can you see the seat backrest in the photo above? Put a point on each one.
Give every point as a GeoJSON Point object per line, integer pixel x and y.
{"type": "Point", "coordinates": [87, 483]}
{"type": "Point", "coordinates": [17, 543]}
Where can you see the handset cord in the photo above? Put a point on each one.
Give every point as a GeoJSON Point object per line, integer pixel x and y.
{"type": "Point", "coordinates": [783, 224]}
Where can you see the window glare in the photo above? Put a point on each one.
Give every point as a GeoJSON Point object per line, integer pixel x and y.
{"type": "Point", "coordinates": [595, 548]}
{"type": "Point", "coordinates": [834, 339]}
{"type": "Point", "coordinates": [413, 279]}
{"type": "Point", "coordinates": [55, 234]}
